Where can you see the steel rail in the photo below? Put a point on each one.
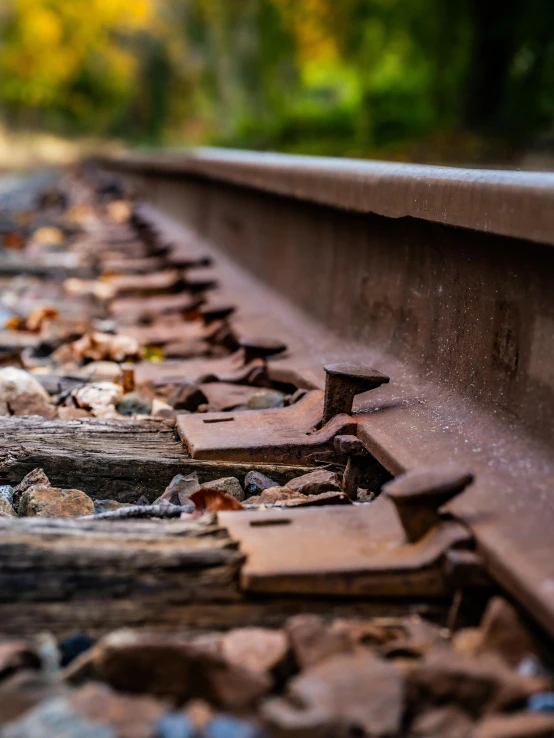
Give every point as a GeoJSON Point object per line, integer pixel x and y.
{"type": "Point", "coordinates": [509, 203]}
{"type": "Point", "coordinates": [462, 321]}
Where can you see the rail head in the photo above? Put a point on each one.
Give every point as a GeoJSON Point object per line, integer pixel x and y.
{"type": "Point", "coordinates": [504, 202]}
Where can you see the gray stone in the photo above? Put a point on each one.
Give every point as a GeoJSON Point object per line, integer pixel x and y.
{"type": "Point", "coordinates": [266, 399]}
{"type": "Point", "coordinates": [255, 482]}
{"type": "Point", "coordinates": [6, 493]}
{"type": "Point", "coordinates": [315, 483]}
{"type": "Point", "coordinates": [6, 510]}
{"type": "Point", "coordinates": [101, 506]}
{"type": "Point", "coordinates": [229, 485]}
{"type": "Point", "coordinates": [134, 403]}
{"type": "Point", "coordinates": [179, 489]}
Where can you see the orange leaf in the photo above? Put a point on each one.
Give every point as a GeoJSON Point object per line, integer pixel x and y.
{"type": "Point", "coordinates": [212, 500]}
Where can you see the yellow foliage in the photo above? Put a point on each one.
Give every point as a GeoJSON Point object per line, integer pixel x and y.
{"type": "Point", "coordinates": [311, 22]}
{"type": "Point", "coordinates": [47, 43]}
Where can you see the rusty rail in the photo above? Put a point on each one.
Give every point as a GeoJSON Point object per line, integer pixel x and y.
{"type": "Point", "coordinates": [441, 278]}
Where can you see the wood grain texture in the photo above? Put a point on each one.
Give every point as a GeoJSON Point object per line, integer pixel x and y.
{"type": "Point", "coordinates": [115, 459]}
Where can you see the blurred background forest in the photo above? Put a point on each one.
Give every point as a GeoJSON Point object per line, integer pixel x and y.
{"type": "Point", "coordinates": [421, 80]}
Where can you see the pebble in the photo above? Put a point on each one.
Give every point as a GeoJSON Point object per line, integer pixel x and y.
{"type": "Point", "coordinates": [98, 395]}
{"type": "Point", "coordinates": [6, 509]}
{"type": "Point", "coordinates": [74, 646]}
{"type": "Point", "coordinates": [258, 649]}
{"type": "Point", "coordinates": [315, 483]}
{"type": "Point", "coordinates": [161, 409]}
{"type": "Point", "coordinates": [101, 371]}
{"type": "Point", "coordinates": [53, 502]}
{"type": "Point", "coordinates": [225, 726]}
{"type": "Point", "coordinates": [346, 694]}
{"type": "Point", "coordinates": [187, 397]}
{"type": "Point", "coordinates": [442, 722]}
{"type": "Point", "coordinates": [6, 492]}
{"type": "Point", "coordinates": [16, 382]}
{"type": "Point", "coordinates": [265, 399]}
{"type": "Point", "coordinates": [27, 404]}
{"type": "Point", "coordinates": [101, 506]}
{"type": "Point", "coordinates": [229, 485]}
{"type": "Point", "coordinates": [175, 725]}
{"type": "Point", "coordinates": [168, 668]}
{"type": "Point", "coordinates": [541, 702]}
{"type": "Point", "coordinates": [93, 711]}
{"type": "Point", "coordinates": [179, 489]}
{"type": "Point", "coordinates": [255, 482]}
{"type": "Point", "coordinates": [35, 477]}
{"type": "Point", "coordinates": [134, 403]}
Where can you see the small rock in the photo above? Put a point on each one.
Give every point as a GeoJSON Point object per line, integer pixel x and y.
{"type": "Point", "coordinates": [347, 694]}
{"type": "Point", "coordinates": [74, 646]}
{"type": "Point", "coordinates": [541, 702]}
{"type": "Point", "coordinates": [142, 500]}
{"type": "Point", "coordinates": [175, 725]}
{"type": "Point", "coordinates": [503, 632]}
{"type": "Point", "coordinates": [161, 409]}
{"type": "Point", "coordinates": [229, 485]}
{"type": "Point", "coordinates": [133, 403]}
{"type": "Point", "coordinates": [98, 395]}
{"type": "Point", "coordinates": [265, 399]}
{"type": "Point", "coordinates": [312, 640]}
{"type": "Point", "coordinates": [442, 722]}
{"type": "Point", "coordinates": [365, 495]}
{"type": "Point", "coordinates": [187, 396]}
{"type": "Point", "coordinates": [6, 509]}
{"type": "Point", "coordinates": [315, 483]}
{"type": "Point", "coordinates": [16, 382]}
{"type": "Point", "coordinates": [179, 489]}
{"type": "Point", "coordinates": [6, 492]}
{"type": "Point", "coordinates": [474, 683]}
{"type": "Point", "coordinates": [225, 726]}
{"type": "Point", "coordinates": [53, 502]}
{"type": "Point", "coordinates": [255, 482]}
{"type": "Point", "coordinates": [102, 371]}
{"type": "Point", "coordinates": [72, 413]}
{"type": "Point", "coordinates": [168, 668]}
{"type": "Point", "coordinates": [466, 641]}
{"type": "Point", "coordinates": [17, 655]}
{"type": "Point", "coordinates": [35, 477]}
{"type": "Point", "coordinates": [101, 506]}
{"type": "Point", "coordinates": [94, 711]}
{"type": "Point", "coordinates": [22, 691]}
{"type": "Point", "coordinates": [517, 725]}
{"type": "Point", "coordinates": [28, 404]}
{"type": "Point", "coordinates": [199, 712]}
{"type": "Point", "coordinates": [258, 649]}
{"type": "Point", "coordinates": [273, 495]}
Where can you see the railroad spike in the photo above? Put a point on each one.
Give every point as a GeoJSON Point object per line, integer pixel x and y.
{"type": "Point", "coordinates": [419, 494]}
{"type": "Point", "coordinates": [343, 382]}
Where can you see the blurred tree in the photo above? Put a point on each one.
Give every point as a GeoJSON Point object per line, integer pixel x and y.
{"type": "Point", "coordinates": [423, 79]}
{"type": "Point", "coordinates": [67, 60]}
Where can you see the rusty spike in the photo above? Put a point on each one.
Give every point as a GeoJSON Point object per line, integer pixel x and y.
{"type": "Point", "coordinates": [343, 382]}
{"type": "Point", "coordinates": [260, 348]}
{"type": "Point", "coordinates": [418, 495]}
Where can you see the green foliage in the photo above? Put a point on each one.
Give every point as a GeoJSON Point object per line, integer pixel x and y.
{"type": "Point", "coordinates": [401, 78]}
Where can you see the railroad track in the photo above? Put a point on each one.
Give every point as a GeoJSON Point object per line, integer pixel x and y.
{"type": "Point", "coordinates": [376, 340]}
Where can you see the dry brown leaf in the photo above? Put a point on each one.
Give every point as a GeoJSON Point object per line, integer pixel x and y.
{"type": "Point", "coordinates": [38, 316]}
{"type": "Point", "coordinates": [212, 500]}
{"type": "Point", "coordinates": [13, 240]}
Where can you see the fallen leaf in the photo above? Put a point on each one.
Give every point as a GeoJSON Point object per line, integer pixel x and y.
{"type": "Point", "coordinates": [38, 316]}
{"type": "Point", "coordinates": [212, 500]}
{"type": "Point", "coordinates": [13, 240]}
